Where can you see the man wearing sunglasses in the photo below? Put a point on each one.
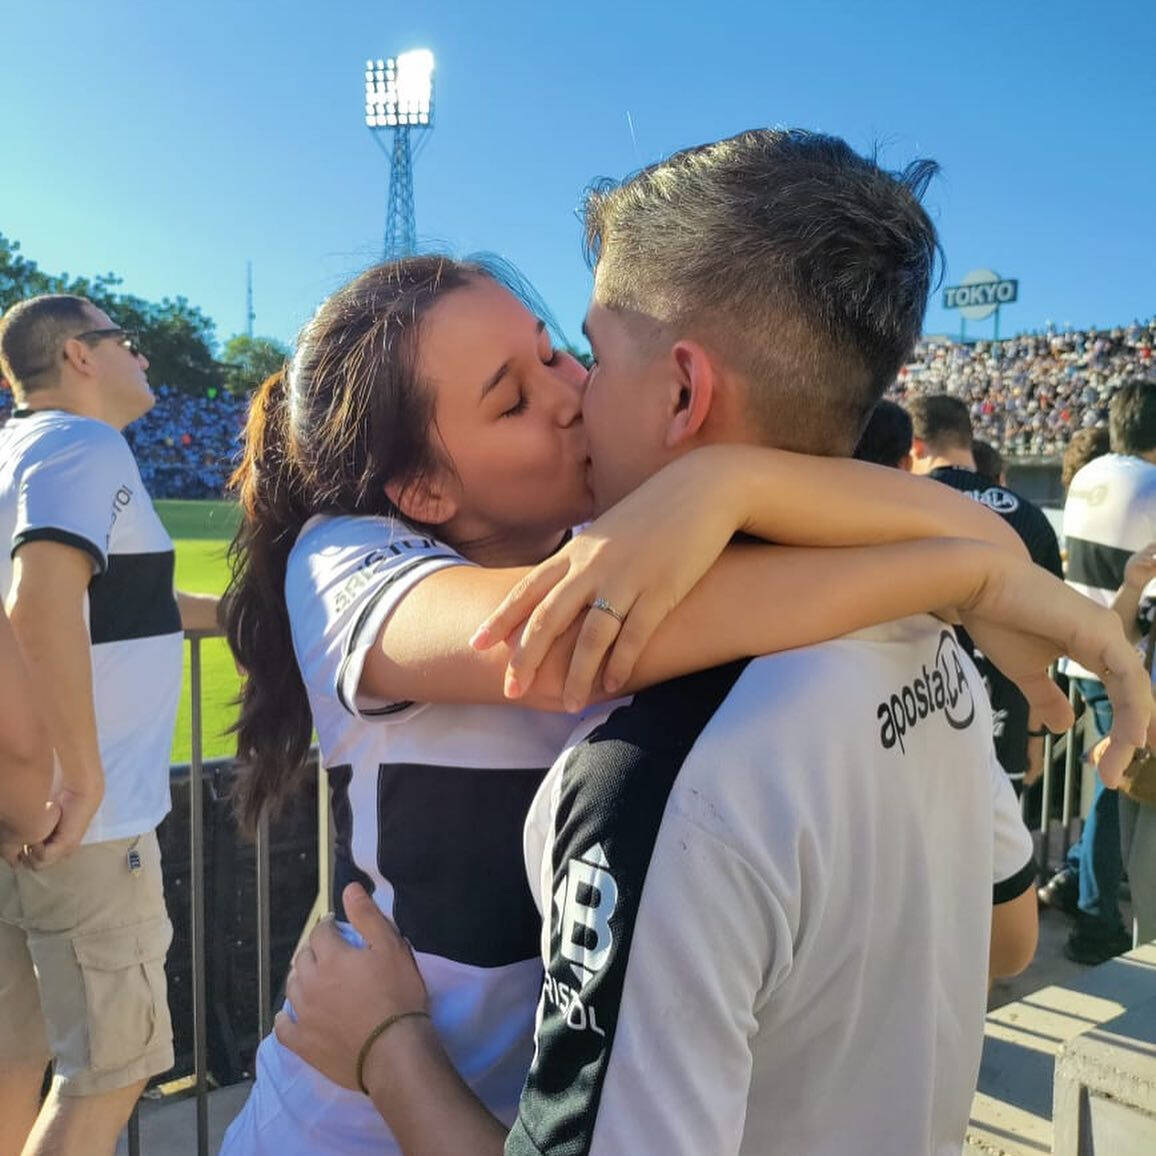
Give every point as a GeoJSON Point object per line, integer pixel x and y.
{"type": "Point", "coordinates": [86, 572]}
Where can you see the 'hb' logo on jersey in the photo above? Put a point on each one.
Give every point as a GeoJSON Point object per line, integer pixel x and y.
{"type": "Point", "coordinates": [584, 901]}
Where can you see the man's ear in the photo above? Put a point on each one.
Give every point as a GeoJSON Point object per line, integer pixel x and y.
{"type": "Point", "coordinates": [432, 500]}
{"type": "Point", "coordinates": [694, 387]}
{"type": "Point", "coordinates": [906, 464]}
{"type": "Point", "coordinates": [79, 356]}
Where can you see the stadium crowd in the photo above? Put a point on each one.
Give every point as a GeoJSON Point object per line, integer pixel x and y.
{"type": "Point", "coordinates": [186, 446]}
{"type": "Point", "coordinates": [1029, 394]}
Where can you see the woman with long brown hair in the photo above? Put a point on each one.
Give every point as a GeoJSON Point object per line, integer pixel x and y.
{"type": "Point", "coordinates": [423, 449]}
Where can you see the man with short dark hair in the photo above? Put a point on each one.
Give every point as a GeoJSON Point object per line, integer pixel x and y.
{"type": "Point", "coordinates": [87, 575]}
{"type": "Point", "coordinates": [988, 462]}
{"type": "Point", "coordinates": [887, 439]}
{"type": "Point", "coordinates": [768, 887]}
{"type": "Point", "coordinates": [1110, 513]}
{"type": "Point", "coordinates": [943, 449]}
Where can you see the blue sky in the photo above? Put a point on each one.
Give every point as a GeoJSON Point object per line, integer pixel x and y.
{"type": "Point", "coordinates": [172, 143]}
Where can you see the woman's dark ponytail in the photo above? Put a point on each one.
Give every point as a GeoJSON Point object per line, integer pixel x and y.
{"type": "Point", "coordinates": [275, 725]}
{"type": "Point", "coordinates": [323, 436]}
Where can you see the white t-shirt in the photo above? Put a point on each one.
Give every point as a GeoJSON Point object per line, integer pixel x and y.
{"type": "Point", "coordinates": [1110, 513]}
{"type": "Point", "coordinates": [769, 891]}
{"type": "Point", "coordinates": [73, 480]}
{"type": "Point", "coordinates": [429, 803]}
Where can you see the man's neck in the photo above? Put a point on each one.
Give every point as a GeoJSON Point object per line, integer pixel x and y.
{"type": "Point", "coordinates": [949, 458]}
{"type": "Point", "coordinates": [64, 401]}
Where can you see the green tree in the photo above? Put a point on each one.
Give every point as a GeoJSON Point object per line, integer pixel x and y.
{"type": "Point", "coordinates": [177, 337]}
{"type": "Point", "coordinates": [247, 361]}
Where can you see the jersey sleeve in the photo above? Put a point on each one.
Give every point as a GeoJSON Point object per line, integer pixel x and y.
{"type": "Point", "coordinates": [345, 577]}
{"type": "Point", "coordinates": [73, 493]}
{"type": "Point", "coordinates": [1013, 864]}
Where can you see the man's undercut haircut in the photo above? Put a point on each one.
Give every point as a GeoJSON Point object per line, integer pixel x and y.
{"type": "Point", "coordinates": [32, 334]}
{"type": "Point", "coordinates": [886, 440]}
{"type": "Point", "coordinates": [1132, 418]}
{"type": "Point", "coordinates": [941, 421]}
{"type": "Point", "coordinates": [801, 264]}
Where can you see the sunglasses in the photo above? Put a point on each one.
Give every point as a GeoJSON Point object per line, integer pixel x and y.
{"type": "Point", "coordinates": [125, 337]}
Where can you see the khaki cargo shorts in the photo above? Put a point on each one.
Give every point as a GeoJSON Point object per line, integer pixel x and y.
{"type": "Point", "coordinates": [82, 966]}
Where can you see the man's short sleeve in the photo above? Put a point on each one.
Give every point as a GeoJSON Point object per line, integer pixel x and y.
{"type": "Point", "coordinates": [1013, 855]}
{"type": "Point", "coordinates": [345, 577]}
{"type": "Point", "coordinates": [70, 494]}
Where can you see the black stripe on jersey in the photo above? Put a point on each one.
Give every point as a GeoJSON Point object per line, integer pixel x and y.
{"type": "Point", "coordinates": [359, 626]}
{"type": "Point", "coordinates": [1094, 564]}
{"type": "Point", "coordinates": [65, 538]}
{"type": "Point", "coordinates": [450, 843]}
{"type": "Point", "coordinates": [1008, 889]}
{"type": "Point", "coordinates": [614, 792]}
{"type": "Point", "coordinates": [345, 870]}
{"type": "Point", "coordinates": [133, 598]}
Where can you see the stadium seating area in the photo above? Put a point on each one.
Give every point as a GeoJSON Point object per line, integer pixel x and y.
{"type": "Point", "coordinates": [1027, 394]}
{"type": "Point", "coordinates": [187, 446]}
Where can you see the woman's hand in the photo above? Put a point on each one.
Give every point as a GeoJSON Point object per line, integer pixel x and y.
{"type": "Point", "coordinates": [1023, 618]}
{"type": "Point", "coordinates": [640, 558]}
{"type": "Point", "coordinates": [339, 992]}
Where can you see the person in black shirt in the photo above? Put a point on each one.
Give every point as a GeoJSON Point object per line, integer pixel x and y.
{"type": "Point", "coordinates": [942, 449]}
{"type": "Point", "coordinates": [887, 439]}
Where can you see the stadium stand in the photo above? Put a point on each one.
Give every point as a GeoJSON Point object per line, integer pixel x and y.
{"type": "Point", "coordinates": [187, 446]}
{"type": "Point", "coordinates": [1027, 396]}
{"type": "Point", "coordinates": [1030, 393]}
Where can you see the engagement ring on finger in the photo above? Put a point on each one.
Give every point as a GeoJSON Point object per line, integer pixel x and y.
{"type": "Point", "coordinates": [602, 604]}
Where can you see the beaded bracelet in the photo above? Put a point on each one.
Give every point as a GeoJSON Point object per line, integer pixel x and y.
{"type": "Point", "coordinates": [371, 1039]}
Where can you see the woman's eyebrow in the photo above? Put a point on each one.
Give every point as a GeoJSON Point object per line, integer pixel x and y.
{"type": "Point", "coordinates": [504, 368]}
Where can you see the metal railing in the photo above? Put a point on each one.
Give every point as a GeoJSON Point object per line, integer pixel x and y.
{"type": "Point", "coordinates": [1054, 833]}
{"type": "Point", "coordinates": [321, 904]}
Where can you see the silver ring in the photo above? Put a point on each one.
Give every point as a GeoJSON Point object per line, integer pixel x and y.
{"type": "Point", "coordinates": [603, 605]}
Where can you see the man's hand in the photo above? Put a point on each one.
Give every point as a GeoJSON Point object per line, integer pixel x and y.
{"type": "Point", "coordinates": [199, 612]}
{"type": "Point", "coordinates": [74, 810]}
{"type": "Point", "coordinates": [1140, 569]}
{"type": "Point", "coordinates": [339, 992]}
{"type": "Point", "coordinates": [13, 843]}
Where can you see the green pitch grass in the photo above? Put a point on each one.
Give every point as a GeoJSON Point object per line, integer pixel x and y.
{"type": "Point", "coordinates": [201, 532]}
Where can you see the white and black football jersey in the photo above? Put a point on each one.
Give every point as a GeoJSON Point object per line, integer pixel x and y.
{"type": "Point", "coordinates": [73, 480]}
{"type": "Point", "coordinates": [428, 804]}
{"type": "Point", "coordinates": [767, 893]}
{"type": "Point", "coordinates": [1110, 513]}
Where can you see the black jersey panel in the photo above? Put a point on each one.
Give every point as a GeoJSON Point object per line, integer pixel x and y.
{"type": "Point", "coordinates": [1094, 564]}
{"type": "Point", "coordinates": [450, 843]}
{"type": "Point", "coordinates": [1010, 712]}
{"type": "Point", "coordinates": [614, 792]}
{"type": "Point", "coordinates": [345, 870]}
{"type": "Point", "coordinates": [133, 598]}
{"type": "Point", "coordinates": [1009, 889]}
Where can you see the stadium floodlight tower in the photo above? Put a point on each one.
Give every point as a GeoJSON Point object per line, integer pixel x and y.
{"type": "Point", "coordinates": [398, 102]}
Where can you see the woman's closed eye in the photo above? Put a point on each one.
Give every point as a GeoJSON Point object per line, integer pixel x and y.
{"type": "Point", "coordinates": [518, 406]}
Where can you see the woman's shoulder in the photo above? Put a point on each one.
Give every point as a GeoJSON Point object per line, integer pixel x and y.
{"type": "Point", "coordinates": [339, 532]}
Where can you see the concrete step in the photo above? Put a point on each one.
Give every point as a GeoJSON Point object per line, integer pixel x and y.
{"type": "Point", "coordinates": [168, 1126]}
